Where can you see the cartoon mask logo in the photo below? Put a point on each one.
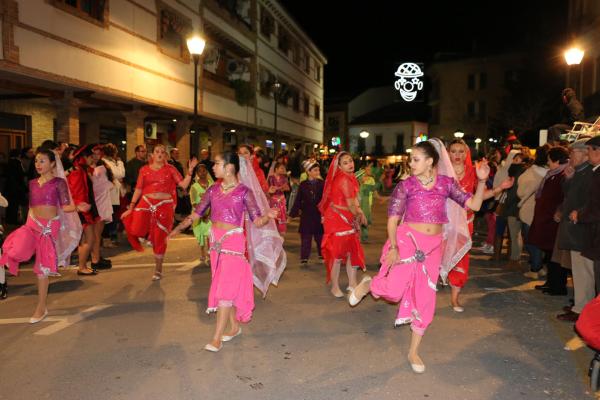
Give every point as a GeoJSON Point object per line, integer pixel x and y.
{"type": "Point", "coordinates": [409, 83]}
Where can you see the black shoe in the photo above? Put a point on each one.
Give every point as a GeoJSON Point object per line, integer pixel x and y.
{"type": "Point", "coordinates": [92, 272]}
{"type": "Point", "coordinates": [543, 286]}
{"type": "Point", "coordinates": [3, 290]}
{"type": "Point", "coordinates": [100, 265]}
{"type": "Point", "coordinates": [104, 261]}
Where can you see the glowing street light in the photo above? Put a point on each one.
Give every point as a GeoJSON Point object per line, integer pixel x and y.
{"type": "Point", "coordinates": [478, 140]}
{"type": "Point", "coordinates": [364, 134]}
{"type": "Point", "coordinates": [459, 134]}
{"type": "Point", "coordinates": [195, 46]}
{"type": "Point", "coordinates": [573, 56]}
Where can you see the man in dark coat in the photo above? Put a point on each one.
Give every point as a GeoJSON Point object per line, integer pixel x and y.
{"type": "Point", "coordinates": [572, 112]}
{"type": "Point", "coordinates": [306, 205]}
{"type": "Point", "coordinates": [589, 214]}
{"type": "Point", "coordinates": [16, 188]}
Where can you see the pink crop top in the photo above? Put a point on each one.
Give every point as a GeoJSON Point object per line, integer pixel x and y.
{"type": "Point", "coordinates": [163, 180]}
{"type": "Point", "coordinates": [55, 193]}
{"type": "Point", "coordinates": [230, 207]}
{"type": "Point", "coordinates": [419, 205]}
{"type": "Point", "coordinates": [279, 182]}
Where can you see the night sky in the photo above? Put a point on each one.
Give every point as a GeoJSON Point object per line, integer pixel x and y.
{"type": "Point", "coordinates": [365, 41]}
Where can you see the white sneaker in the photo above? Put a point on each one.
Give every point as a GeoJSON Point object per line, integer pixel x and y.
{"type": "Point", "coordinates": [488, 249]}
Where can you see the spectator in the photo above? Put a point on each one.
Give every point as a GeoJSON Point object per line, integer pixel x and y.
{"type": "Point", "coordinates": [571, 112]}
{"type": "Point", "coordinates": [542, 232]}
{"type": "Point", "coordinates": [528, 184]}
{"type": "Point", "coordinates": [501, 219]}
{"type": "Point", "coordinates": [114, 163]}
{"type": "Point", "coordinates": [578, 178]}
{"type": "Point", "coordinates": [133, 166]}
{"type": "Point", "coordinates": [16, 189]}
{"type": "Point", "coordinates": [184, 206]}
{"type": "Point", "coordinates": [205, 159]}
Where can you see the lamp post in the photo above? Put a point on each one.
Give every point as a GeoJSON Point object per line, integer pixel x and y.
{"type": "Point", "coordinates": [195, 46]}
{"type": "Point", "coordinates": [573, 56]}
{"type": "Point", "coordinates": [477, 142]}
{"type": "Point", "coordinates": [275, 88]}
{"type": "Point", "coordinates": [459, 134]}
{"type": "Point", "coordinates": [363, 141]}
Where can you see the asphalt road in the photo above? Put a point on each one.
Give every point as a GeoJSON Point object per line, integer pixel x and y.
{"type": "Point", "coordinates": [120, 336]}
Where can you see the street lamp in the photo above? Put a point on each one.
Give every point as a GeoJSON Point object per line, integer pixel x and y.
{"type": "Point", "coordinates": [364, 134]}
{"type": "Point", "coordinates": [459, 134]}
{"type": "Point", "coordinates": [195, 46]}
{"type": "Point", "coordinates": [276, 88]}
{"type": "Point", "coordinates": [477, 142]}
{"type": "Point", "coordinates": [574, 56]}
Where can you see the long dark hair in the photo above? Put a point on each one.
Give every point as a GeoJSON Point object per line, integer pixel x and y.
{"type": "Point", "coordinates": [229, 157]}
{"type": "Point", "coordinates": [429, 150]}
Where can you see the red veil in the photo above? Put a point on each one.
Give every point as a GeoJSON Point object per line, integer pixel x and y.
{"type": "Point", "coordinates": [333, 169]}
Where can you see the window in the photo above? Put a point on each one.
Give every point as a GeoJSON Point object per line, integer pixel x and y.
{"type": "Point", "coordinates": [482, 80]}
{"type": "Point", "coordinates": [306, 105]}
{"type": "Point", "coordinates": [267, 79]}
{"type": "Point", "coordinates": [267, 23]}
{"type": "Point", "coordinates": [173, 29]}
{"type": "Point", "coordinates": [378, 145]}
{"type": "Point", "coordinates": [284, 93]}
{"type": "Point", "coordinates": [306, 62]}
{"type": "Point", "coordinates": [471, 110]}
{"type": "Point", "coordinates": [317, 111]}
{"type": "Point", "coordinates": [399, 143]}
{"type": "Point", "coordinates": [471, 82]}
{"type": "Point", "coordinates": [318, 73]}
{"type": "Point", "coordinates": [295, 99]}
{"type": "Point", "coordinates": [482, 111]}
{"type": "Point", "coordinates": [92, 10]}
{"type": "Point", "coordinates": [296, 53]}
{"type": "Point", "coordinates": [284, 40]}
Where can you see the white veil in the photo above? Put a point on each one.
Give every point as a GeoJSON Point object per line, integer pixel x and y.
{"type": "Point", "coordinates": [265, 245]}
{"type": "Point", "coordinates": [457, 238]}
{"type": "Point", "coordinates": [70, 231]}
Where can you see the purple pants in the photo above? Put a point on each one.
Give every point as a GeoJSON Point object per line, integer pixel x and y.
{"type": "Point", "coordinates": [413, 284]}
{"type": "Point", "coordinates": [306, 244]}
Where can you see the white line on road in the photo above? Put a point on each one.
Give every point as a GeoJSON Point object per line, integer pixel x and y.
{"type": "Point", "coordinates": [189, 265]}
{"type": "Point", "coordinates": [6, 321]}
{"type": "Point", "coordinates": [65, 322]}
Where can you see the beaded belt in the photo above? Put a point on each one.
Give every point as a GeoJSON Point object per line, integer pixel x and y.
{"type": "Point", "coordinates": [217, 245]}
{"type": "Point", "coordinates": [152, 209]}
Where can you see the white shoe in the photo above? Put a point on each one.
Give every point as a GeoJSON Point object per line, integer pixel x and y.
{"type": "Point", "coordinates": [487, 249]}
{"type": "Point", "coordinates": [417, 368]}
{"type": "Point", "coordinates": [226, 338]}
{"type": "Point", "coordinates": [352, 299]}
{"type": "Point", "coordinates": [36, 320]}
{"type": "Point", "coordinates": [211, 348]}
{"type": "Point", "coordinates": [458, 309]}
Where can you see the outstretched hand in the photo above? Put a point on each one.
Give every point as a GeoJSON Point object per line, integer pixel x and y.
{"type": "Point", "coordinates": [507, 183]}
{"type": "Point", "coordinates": [192, 163]}
{"type": "Point", "coordinates": [482, 169]}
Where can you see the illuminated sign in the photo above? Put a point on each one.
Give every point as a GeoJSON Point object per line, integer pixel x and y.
{"type": "Point", "coordinates": [421, 138]}
{"type": "Point", "coordinates": [409, 83]}
{"type": "Point", "coordinates": [335, 141]}
{"type": "Point", "coordinates": [269, 143]}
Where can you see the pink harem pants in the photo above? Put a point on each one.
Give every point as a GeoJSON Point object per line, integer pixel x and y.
{"type": "Point", "coordinates": [36, 236]}
{"type": "Point", "coordinates": [231, 284]}
{"type": "Point", "coordinates": [413, 284]}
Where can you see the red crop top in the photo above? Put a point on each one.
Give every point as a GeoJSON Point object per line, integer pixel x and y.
{"type": "Point", "coordinates": [163, 180]}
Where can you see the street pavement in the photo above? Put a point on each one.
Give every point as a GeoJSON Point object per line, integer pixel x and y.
{"type": "Point", "coordinates": [119, 335]}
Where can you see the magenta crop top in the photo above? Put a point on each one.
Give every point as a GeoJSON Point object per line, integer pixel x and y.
{"type": "Point", "coordinates": [419, 205]}
{"type": "Point", "coordinates": [230, 207]}
{"type": "Point", "coordinates": [55, 192]}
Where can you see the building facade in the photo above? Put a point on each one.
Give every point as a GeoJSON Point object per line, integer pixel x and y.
{"type": "Point", "coordinates": [466, 93]}
{"type": "Point", "coordinates": [119, 71]}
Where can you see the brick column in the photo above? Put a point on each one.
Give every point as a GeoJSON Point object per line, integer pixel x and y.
{"type": "Point", "coordinates": [182, 140]}
{"type": "Point", "coordinates": [216, 139]}
{"type": "Point", "coordinates": [134, 120]}
{"type": "Point", "coordinates": [67, 118]}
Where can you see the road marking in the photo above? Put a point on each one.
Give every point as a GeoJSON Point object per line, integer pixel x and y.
{"type": "Point", "coordinates": [6, 321]}
{"type": "Point", "coordinates": [69, 320]}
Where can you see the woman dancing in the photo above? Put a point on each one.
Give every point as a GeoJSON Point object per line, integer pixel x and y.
{"type": "Point", "coordinates": [48, 198]}
{"type": "Point", "coordinates": [412, 258]}
{"type": "Point", "coordinates": [278, 185]}
{"type": "Point", "coordinates": [152, 216]}
{"type": "Point", "coordinates": [201, 226]}
{"type": "Point", "coordinates": [342, 218]}
{"type": "Point", "coordinates": [231, 294]}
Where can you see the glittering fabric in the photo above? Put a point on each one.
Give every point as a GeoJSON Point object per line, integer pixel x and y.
{"type": "Point", "coordinates": [419, 205]}
{"type": "Point", "coordinates": [163, 180]}
{"type": "Point", "coordinates": [55, 192]}
{"type": "Point", "coordinates": [229, 207]}
{"type": "Point", "coordinates": [280, 182]}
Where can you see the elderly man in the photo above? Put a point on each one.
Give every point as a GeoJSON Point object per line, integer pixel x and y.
{"type": "Point", "coordinates": [205, 159]}
{"type": "Point", "coordinates": [571, 236]}
{"type": "Point", "coordinates": [589, 214]}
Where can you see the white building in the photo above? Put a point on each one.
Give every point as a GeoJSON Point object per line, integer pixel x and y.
{"type": "Point", "coordinates": [104, 70]}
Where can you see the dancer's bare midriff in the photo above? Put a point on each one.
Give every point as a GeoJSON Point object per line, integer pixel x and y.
{"type": "Point", "coordinates": [44, 212]}
{"type": "Point", "coordinates": [159, 196]}
{"type": "Point", "coordinates": [428, 229]}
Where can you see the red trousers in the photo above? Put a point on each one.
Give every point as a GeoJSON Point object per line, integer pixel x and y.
{"type": "Point", "coordinates": [460, 273]}
{"type": "Point", "coordinates": [151, 219]}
